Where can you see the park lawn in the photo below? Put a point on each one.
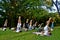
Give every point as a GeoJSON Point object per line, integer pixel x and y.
{"type": "Point", "coordinates": [10, 35]}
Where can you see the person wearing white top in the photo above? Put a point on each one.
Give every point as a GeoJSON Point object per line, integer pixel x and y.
{"type": "Point", "coordinates": [19, 25]}
{"type": "Point", "coordinates": [46, 28]}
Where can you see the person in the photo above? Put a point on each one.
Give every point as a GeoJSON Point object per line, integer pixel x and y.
{"type": "Point", "coordinates": [34, 25]}
{"type": "Point", "coordinates": [30, 25]}
{"type": "Point", "coordinates": [23, 25]}
{"type": "Point", "coordinates": [40, 27]}
{"type": "Point", "coordinates": [5, 25]}
{"type": "Point", "coordinates": [27, 24]}
{"type": "Point", "coordinates": [47, 28]}
{"type": "Point", "coordinates": [52, 24]}
{"type": "Point", "coordinates": [25, 29]}
{"type": "Point", "coordinates": [40, 30]}
{"type": "Point", "coordinates": [19, 25]}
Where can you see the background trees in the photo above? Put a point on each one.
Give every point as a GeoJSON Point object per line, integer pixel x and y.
{"type": "Point", "coordinates": [31, 9]}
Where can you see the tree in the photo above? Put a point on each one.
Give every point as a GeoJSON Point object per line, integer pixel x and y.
{"type": "Point", "coordinates": [57, 3]}
{"type": "Point", "coordinates": [14, 8]}
{"type": "Point", "coordinates": [50, 3]}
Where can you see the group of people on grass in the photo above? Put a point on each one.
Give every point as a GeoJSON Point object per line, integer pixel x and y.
{"type": "Point", "coordinates": [46, 30]}
{"type": "Point", "coordinates": [30, 26]}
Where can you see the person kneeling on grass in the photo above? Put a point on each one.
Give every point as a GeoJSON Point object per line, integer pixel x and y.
{"type": "Point", "coordinates": [5, 25]}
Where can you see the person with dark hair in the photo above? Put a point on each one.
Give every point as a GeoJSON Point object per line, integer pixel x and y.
{"type": "Point", "coordinates": [27, 24]}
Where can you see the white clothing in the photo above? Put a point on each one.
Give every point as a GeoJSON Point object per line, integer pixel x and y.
{"type": "Point", "coordinates": [5, 24]}
{"type": "Point", "coordinates": [18, 27]}
{"type": "Point", "coordinates": [46, 30]}
{"type": "Point", "coordinates": [30, 27]}
{"type": "Point", "coordinates": [4, 29]}
{"type": "Point", "coordinates": [37, 33]}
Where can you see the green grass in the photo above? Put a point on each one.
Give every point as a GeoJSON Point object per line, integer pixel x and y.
{"type": "Point", "coordinates": [10, 35]}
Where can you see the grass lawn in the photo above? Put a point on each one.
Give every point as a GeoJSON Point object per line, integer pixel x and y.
{"type": "Point", "coordinates": [10, 35]}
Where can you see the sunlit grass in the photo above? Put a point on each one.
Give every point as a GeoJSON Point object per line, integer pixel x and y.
{"type": "Point", "coordinates": [10, 35]}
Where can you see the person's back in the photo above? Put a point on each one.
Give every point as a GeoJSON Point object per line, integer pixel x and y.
{"type": "Point", "coordinates": [19, 25]}
{"type": "Point", "coordinates": [5, 25]}
{"type": "Point", "coordinates": [46, 28]}
{"type": "Point", "coordinates": [30, 25]}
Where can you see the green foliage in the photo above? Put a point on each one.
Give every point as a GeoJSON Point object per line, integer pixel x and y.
{"type": "Point", "coordinates": [26, 8]}
{"type": "Point", "coordinates": [48, 3]}
{"type": "Point", "coordinates": [14, 8]}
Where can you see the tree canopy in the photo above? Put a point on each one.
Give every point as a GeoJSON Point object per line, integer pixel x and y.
{"type": "Point", "coordinates": [31, 9]}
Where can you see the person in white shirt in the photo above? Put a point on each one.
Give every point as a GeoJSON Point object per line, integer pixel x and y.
{"type": "Point", "coordinates": [46, 28]}
{"type": "Point", "coordinates": [19, 25]}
